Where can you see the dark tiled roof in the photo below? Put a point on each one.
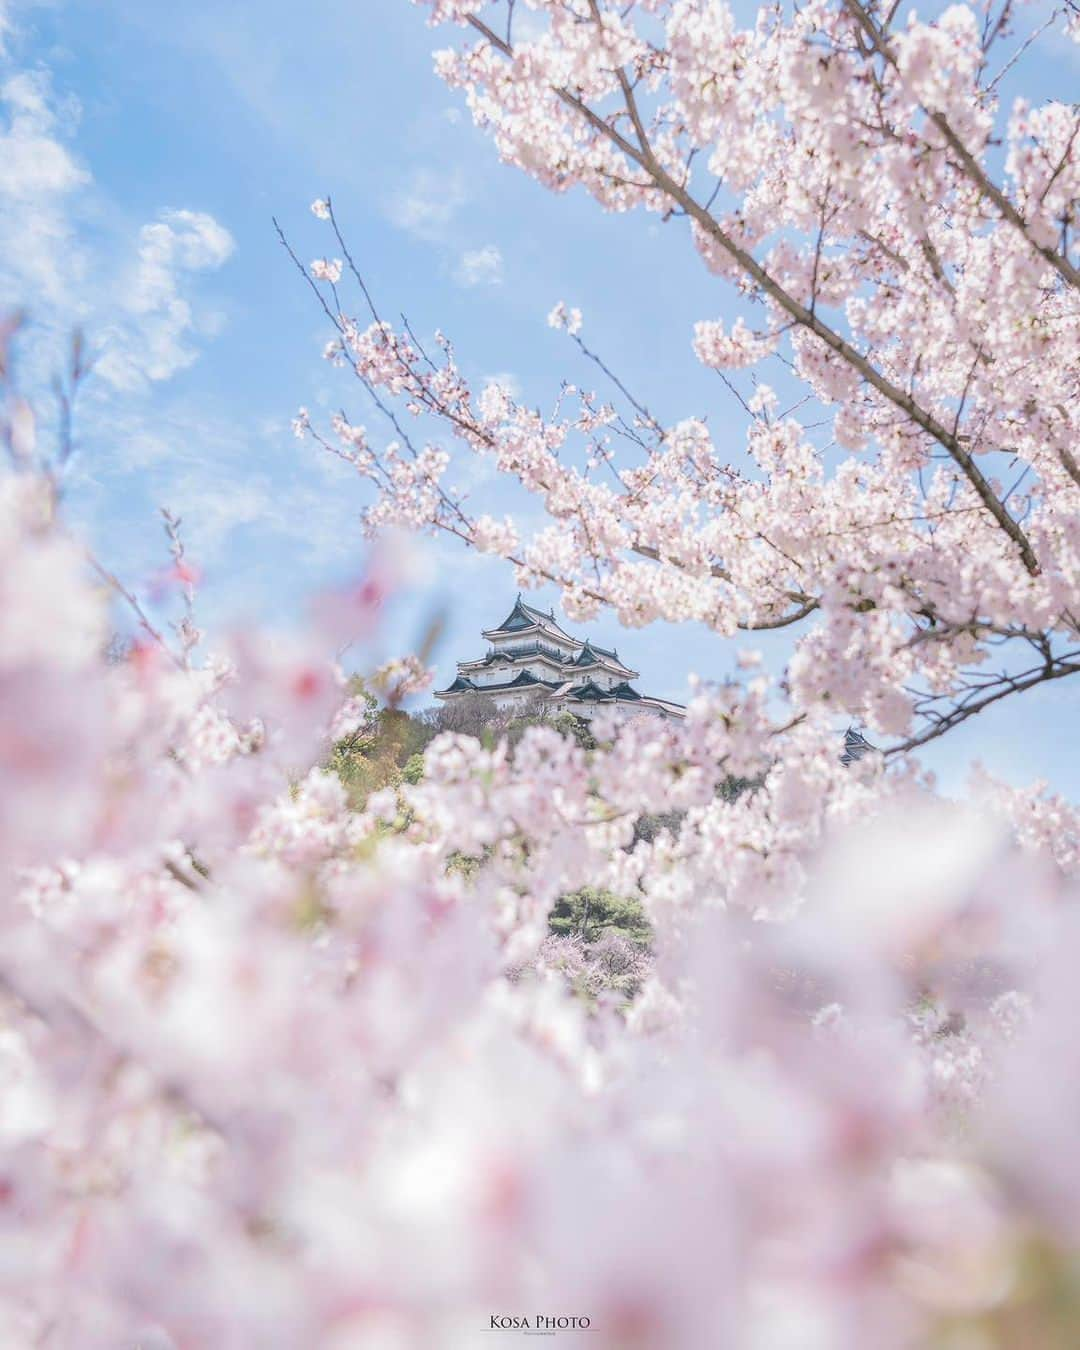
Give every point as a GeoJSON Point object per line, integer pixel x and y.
{"type": "Point", "coordinates": [591, 692]}
{"type": "Point", "coordinates": [524, 616]}
{"type": "Point", "coordinates": [460, 685]}
{"type": "Point", "coordinates": [518, 619]}
{"type": "Point", "coordinates": [522, 680]}
{"type": "Point", "coordinates": [855, 746]}
{"type": "Point", "coordinates": [592, 655]}
{"type": "Point", "coordinates": [530, 650]}
{"type": "Point", "coordinates": [625, 691]}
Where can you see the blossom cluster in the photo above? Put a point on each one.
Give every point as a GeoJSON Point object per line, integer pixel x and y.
{"type": "Point", "coordinates": [280, 1070]}
{"type": "Point", "coordinates": [914, 517]}
{"type": "Point", "coordinates": [276, 1072]}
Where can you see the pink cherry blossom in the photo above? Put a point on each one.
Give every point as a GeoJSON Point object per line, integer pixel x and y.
{"type": "Point", "coordinates": [280, 1067]}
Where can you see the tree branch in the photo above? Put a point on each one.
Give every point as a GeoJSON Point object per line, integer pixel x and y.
{"type": "Point", "coordinates": [646, 159]}
{"type": "Point", "coordinates": [970, 165]}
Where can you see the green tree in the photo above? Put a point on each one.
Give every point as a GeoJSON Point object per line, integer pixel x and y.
{"type": "Point", "coordinates": [413, 771]}
{"type": "Point", "coordinates": [378, 754]}
{"type": "Point", "coordinates": [590, 913]}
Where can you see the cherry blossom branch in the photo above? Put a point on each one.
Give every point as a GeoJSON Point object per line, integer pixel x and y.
{"type": "Point", "coordinates": [971, 167]}
{"type": "Point", "coordinates": [115, 584]}
{"type": "Point", "coordinates": [464, 423]}
{"type": "Point", "coordinates": [646, 159]}
{"type": "Point", "coordinates": [1018, 54]}
{"type": "Point", "coordinates": [184, 574]}
{"type": "Point", "coordinates": [1001, 686]}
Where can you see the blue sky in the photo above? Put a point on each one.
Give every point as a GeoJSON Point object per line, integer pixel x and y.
{"type": "Point", "coordinates": [145, 149]}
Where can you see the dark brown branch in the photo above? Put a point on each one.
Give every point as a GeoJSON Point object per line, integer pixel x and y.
{"type": "Point", "coordinates": [1003, 686]}
{"type": "Point", "coordinates": [903, 400]}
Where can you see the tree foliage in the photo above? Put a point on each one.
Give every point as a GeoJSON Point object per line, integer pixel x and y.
{"type": "Point", "coordinates": [590, 913]}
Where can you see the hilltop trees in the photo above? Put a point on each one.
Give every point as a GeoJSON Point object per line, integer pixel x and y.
{"type": "Point", "coordinates": [387, 748]}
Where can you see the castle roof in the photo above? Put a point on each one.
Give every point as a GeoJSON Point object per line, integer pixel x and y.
{"type": "Point", "coordinates": [523, 618]}
{"type": "Point", "coordinates": [591, 692]}
{"type": "Point", "coordinates": [460, 686]}
{"type": "Point", "coordinates": [588, 657]}
{"type": "Point", "coordinates": [574, 678]}
{"type": "Point", "coordinates": [531, 651]}
{"type": "Point", "coordinates": [855, 746]}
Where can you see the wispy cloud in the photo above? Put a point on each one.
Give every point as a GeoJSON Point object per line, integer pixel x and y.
{"type": "Point", "coordinates": [480, 267]}
{"type": "Point", "coordinates": [232, 483]}
{"type": "Point", "coordinates": [149, 341]}
{"type": "Point", "coordinates": [72, 259]}
{"type": "Point", "coordinates": [312, 527]}
{"type": "Point", "coordinates": [428, 202]}
{"type": "Point", "coordinates": [67, 255]}
{"type": "Point", "coordinates": [39, 179]}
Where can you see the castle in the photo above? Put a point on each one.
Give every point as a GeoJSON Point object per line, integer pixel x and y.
{"type": "Point", "coordinates": [532, 661]}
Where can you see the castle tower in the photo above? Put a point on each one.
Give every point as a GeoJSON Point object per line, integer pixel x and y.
{"type": "Point", "coordinates": [532, 660]}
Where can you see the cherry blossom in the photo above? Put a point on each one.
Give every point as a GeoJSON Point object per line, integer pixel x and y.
{"type": "Point", "coordinates": [837, 168]}
{"type": "Point", "coordinates": [327, 270]}
{"type": "Point", "coordinates": [281, 1069]}
{"type": "Point", "coordinates": [261, 1051]}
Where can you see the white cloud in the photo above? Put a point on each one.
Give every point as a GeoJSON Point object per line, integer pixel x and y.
{"type": "Point", "coordinates": [150, 340]}
{"type": "Point", "coordinates": [223, 477]}
{"type": "Point", "coordinates": [71, 258]}
{"type": "Point", "coordinates": [219, 497]}
{"type": "Point", "coordinates": [428, 203]}
{"type": "Point", "coordinates": [67, 256]}
{"type": "Point", "coordinates": [213, 505]}
{"type": "Point", "coordinates": [34, 163]}
{"type": "Point", "coordinates": [188, 239]}
{"type": "Point", "coordinates": [38, 178]}
{"type": "Point", "coordinates": [480, 267]}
